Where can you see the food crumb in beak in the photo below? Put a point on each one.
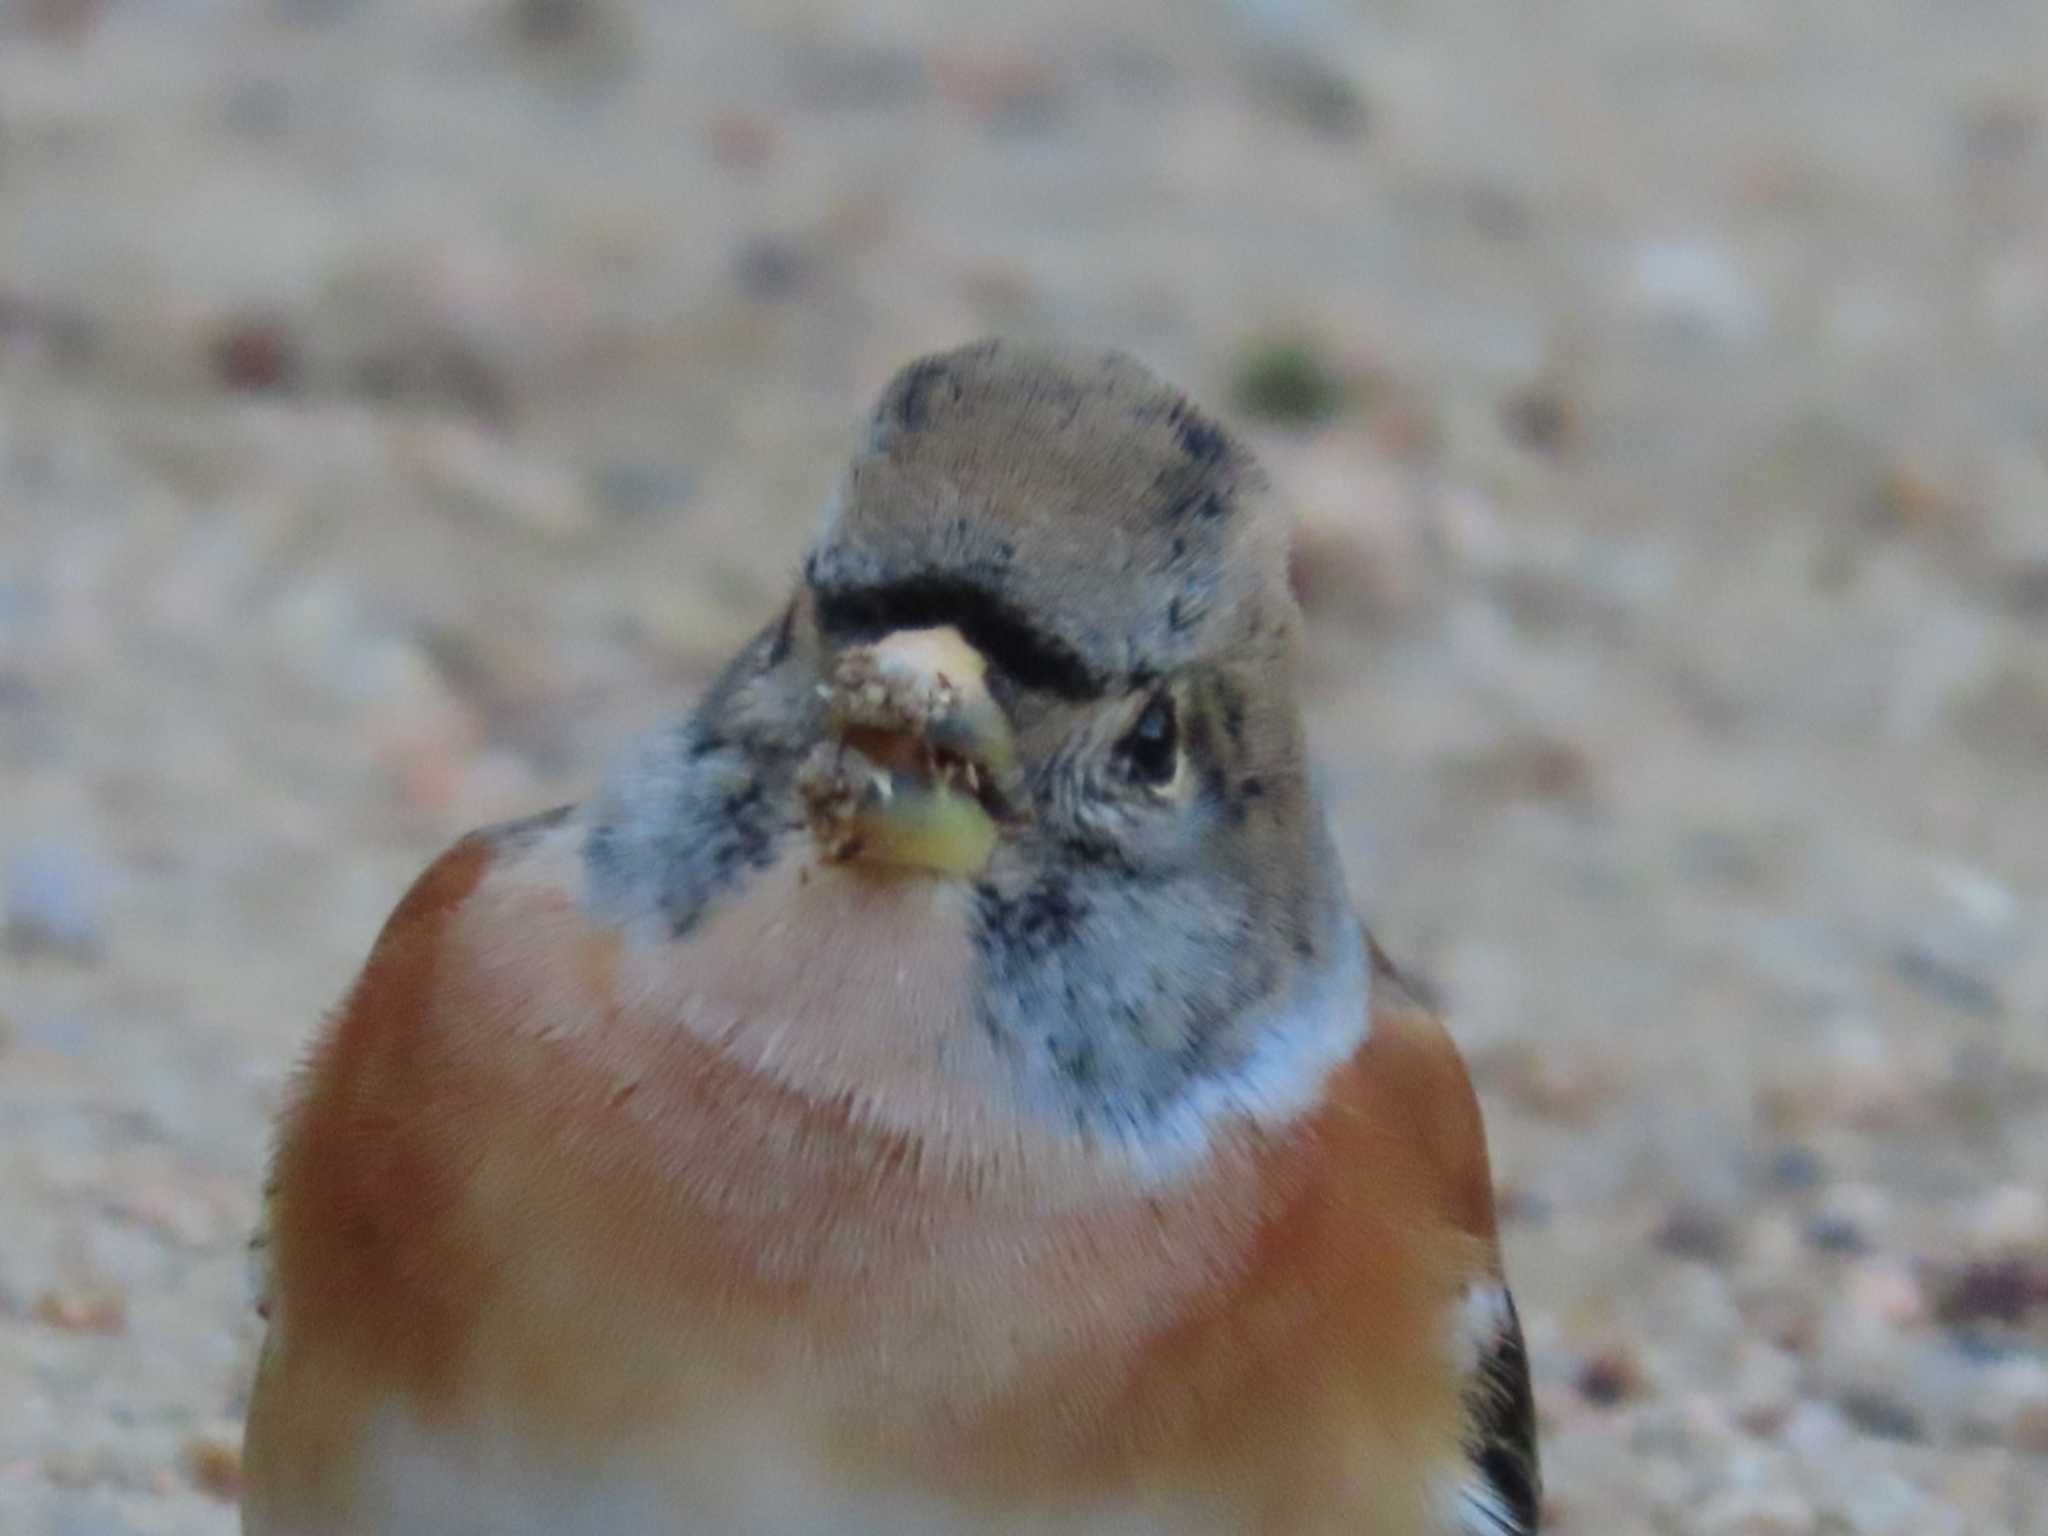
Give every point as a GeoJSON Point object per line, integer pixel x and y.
{"type": "Point", "coordinates": [913, 770]}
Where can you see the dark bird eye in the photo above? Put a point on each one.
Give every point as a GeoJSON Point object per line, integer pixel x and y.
{"type": "Point", "coordinates": [1151, 750]}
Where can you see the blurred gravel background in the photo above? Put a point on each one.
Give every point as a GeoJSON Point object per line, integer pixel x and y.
{"type": "Point", "coordinates": [400, 400]}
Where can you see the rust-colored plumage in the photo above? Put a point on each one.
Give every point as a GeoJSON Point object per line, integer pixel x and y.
{"type": "Point", "coordinates": [1308, 1355]}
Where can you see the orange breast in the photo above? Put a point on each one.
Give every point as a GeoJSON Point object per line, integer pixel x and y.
{"type": "Point", "coordinates": [514, 1188]}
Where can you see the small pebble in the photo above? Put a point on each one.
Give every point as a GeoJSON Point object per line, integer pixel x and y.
{"type": "Point", "coordinates": [1790, 1325]}
{"type": "Point", "coordinates": [1696, 1232]}
{"type": "Point", "coordinates": [54, 900]}
{"type": "Point", "coordinates": [1851, 1218]}
{"type": "Point", "coordinates": [437, 368]}
{"type": "Point", "coordinates": [1696, 287]}
{"type": "Point", "coordinates": [1359, 551]}
{"type": "Point", "coordinates": [1543, 418]}
{"type": "Point", "coordinates": [1816, 1432]}
{"type": "Point", "coordinates": [554, 23]}
{"type": "Point", "coordinates": [1775, 1248]}
{"type": "Point", "coordinates": [1831, 1232]}
{"type": "Point", "coordinates": [1005, 89]}
{"type": "Point", "coordinates": [1909, 498]}
{"type": "Point", "coordinates": [770, 269]}
{"type": "Point", "coordinates": [1960, 936]}
{"type": "Point", "coordinates": [1881, 1415]}
{"type": "Point", "coordinates": [1885, 1290]}
{"type": "Point", "coordinates": [1766, 1389]}
{"type": "Point", "coordinates": [257, 354]}
{"type": "Point", "coordinates": [57, 333]}
{"type": "Point", "coordinates": [1316, 94]}
{"type": "Point", "coordinates": [1981, 1343]}
{"type": "Point", "coordinates": [2027, 591]}
{"type": "Point", "coordinates": [97, 1309]}
{"type": "Point", "coordinates": [1996, 1291]}
{"type": "Point", "coordinates": [2029, 1430]}
{"type": "Point", "coordinates": [741, 140]}
{"type": "Point", "coordinates": [1795, 1168]}
{"type": "Point", "coordinates": [1404, 430]}
{"type": "Point", "coordinates": [1610, 1377]}
{"type": "Point", "coordinates": [68, 21]}
{"type": "Point", "coordinates": [1960, 989]}
{"type": "Point", "coordinates": [76, 1469]}
{"type": "Point", "coordinates": [214, 1464]}
{"type": "Point", "coordinates": [2004, 128]}
{"type": "Point", "coordinates": [1529, 766]}
{"type": "Point", "coordinates": [1548, 1083]}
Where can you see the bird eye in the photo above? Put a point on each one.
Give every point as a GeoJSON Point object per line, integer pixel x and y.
{"type": "Point", "coordinates": [1150, 751]}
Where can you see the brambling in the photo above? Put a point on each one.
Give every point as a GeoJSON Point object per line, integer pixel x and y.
{"type": "Point", "coordinates": [937, 1086]}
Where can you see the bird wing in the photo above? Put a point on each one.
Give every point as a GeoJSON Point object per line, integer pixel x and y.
{"type": "Point", "coordinates": [350, 1264]}
{"type": "Point", "coordinates": [1502, 1494]}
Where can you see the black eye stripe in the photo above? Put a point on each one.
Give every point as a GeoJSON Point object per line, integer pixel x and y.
{"type": "Point", "coordinates": [993, 626]}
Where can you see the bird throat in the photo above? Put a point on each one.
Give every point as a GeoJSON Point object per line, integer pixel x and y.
{"type": "Point", "coordinates": [839, 983]}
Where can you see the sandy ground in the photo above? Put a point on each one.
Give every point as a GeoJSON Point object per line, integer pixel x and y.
{"type": "Point", "coordinates": [400, 400]}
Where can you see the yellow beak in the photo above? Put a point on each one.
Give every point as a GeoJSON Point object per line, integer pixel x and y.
{"type": "Point", "coordinates": [918, 760]}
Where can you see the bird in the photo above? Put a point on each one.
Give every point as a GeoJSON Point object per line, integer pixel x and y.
{"type": "Point", "coordinates": [936, 1084]}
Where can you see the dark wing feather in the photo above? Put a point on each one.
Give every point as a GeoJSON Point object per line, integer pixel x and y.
{"type": "Point", "coordinates": [1506, 1490]}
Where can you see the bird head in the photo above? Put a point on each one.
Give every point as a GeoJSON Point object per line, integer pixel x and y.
{"type": "Point", "coordinates": [1042, 649]}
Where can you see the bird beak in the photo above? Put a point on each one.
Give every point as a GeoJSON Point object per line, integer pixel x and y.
{"type": "Point", "coordinates": [918, 762]}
